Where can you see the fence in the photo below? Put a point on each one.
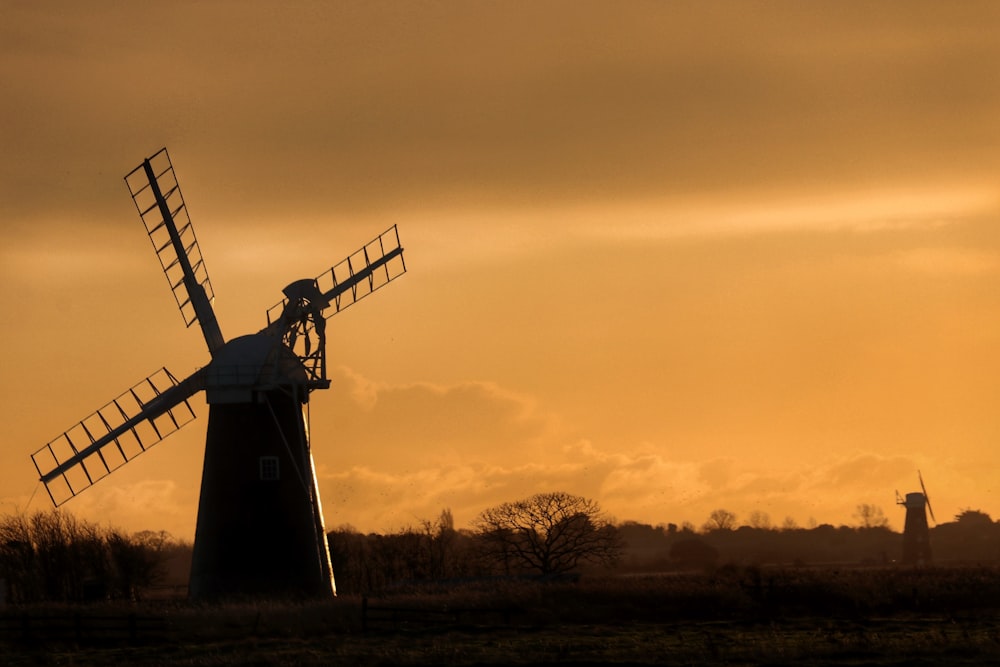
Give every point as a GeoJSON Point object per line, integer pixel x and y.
{"type": "Point", "coordinates": [82, 628]}
{"type": "Point", "coordinates": [379, 617]}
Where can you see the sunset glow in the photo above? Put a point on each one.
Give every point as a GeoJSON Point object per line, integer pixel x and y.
{"type": "Point", "coordinates": [672, 257]}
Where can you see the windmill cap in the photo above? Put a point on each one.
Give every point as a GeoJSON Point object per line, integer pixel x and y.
{"type": "Point", "coordinates": [248, 364]}
{"type": "Point", "coordinates": [306, 289]}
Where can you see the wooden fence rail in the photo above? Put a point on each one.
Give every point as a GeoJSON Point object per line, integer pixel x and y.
{"type": "Point", "coordinates": [82, 628]}
{"type": "Point", "coordinates": [395, 618]}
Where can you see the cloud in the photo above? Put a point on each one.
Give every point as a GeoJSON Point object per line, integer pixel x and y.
{"type": "Point", "coordinates": [863, 211]}
{"type": "Point", "coordinates": [864, 470]}
{"type": "Point", "coordinates": [678, 239]}
{"type": "Point", "coordinates": [478, 445]}
{"type": "Point", "coordinates": [950, 261]}
{"type": "Point", "coordinates": [406, 426]}
{"type": "Point", "coordinates": [42, 259]}
{"type": "Point", "coordinates": [368, 108]}
{"type": "Point", "coordinates": [153, 504]}
{"type": "Point", "coordinates": [637, 485]}
{"type": "Point", "coordinates": [378, 500]}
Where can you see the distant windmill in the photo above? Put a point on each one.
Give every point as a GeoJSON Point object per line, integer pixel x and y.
{"type": "Point", "coordinates": [916, 534]}
{"type": "Point", "coordinates": [260, 523]}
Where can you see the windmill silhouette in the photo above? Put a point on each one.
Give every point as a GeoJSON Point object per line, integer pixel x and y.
{"type": "Point", "coordinates": [260, 522]}
{"type": "Point", "coordinates": [916, 533]}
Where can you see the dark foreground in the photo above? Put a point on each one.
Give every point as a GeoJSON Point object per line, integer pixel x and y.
{"type": "Point", "coordinates": [735, 617]}
{"type": "Point", "coordinates": [914, 641]}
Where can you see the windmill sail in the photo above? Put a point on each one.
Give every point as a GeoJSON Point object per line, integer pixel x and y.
{"type": "Point", "coordinates": [371, 267]}
{"type": "Point", "coordinates": [158, 198]}
{"type": "Point", "coordinates": [927, 498]}
{"type": "Point", "coordinates": [114, 435]}
{"type": "Point", "coordinates": [260, 523]}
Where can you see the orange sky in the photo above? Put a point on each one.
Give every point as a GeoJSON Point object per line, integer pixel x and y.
{"type": "Point", "coordinates": [670, 256]}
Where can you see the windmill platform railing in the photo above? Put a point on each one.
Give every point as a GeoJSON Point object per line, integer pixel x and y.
{"type": "Point", "coordinates": [297, 320]}
{"type": "Point", "coordinates": [238, 383]}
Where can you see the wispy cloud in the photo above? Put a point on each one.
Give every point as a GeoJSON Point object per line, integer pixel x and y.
{"type": "Point", "coordinates": [958, 261]}
{"type": "Point", "coordinates": [733, 215]}
{"type": "Point", "coordinates": [681, 245]}
{"type": "Point", "coordinates": [412, 424]}
{"type": "Point", "coordinates": [510, 449]}
{"type": "Point", "coordinates": [640, 486]}
{"type": "Point", "coordinates": [153, 504]}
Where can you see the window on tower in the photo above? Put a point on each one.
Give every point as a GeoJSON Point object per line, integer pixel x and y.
{"type": "Point", "coordinates": [269, 468]}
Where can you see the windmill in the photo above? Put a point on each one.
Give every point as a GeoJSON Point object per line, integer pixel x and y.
{"type": "Point", "coordinates": [916, 534]}
{"type": "Point", "coordinates": [260, 523]}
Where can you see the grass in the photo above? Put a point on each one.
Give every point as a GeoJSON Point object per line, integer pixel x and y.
{"type": "Point", "coordinates": [805, 641]}
{"type": "Point", "coordinates": [735, 616]}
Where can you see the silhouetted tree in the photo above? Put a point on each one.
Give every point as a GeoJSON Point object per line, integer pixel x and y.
{"type": "Point", "coordinates": [352, 564]}
{"type": "Point", "coordinates": [870, 516]}
{"type": "Point", "coordinates": [972, 537]}
{"type": "Point", "coordinates": [441, 547]}
{"type": "Point", "coordinates": [137, 560]}
{"type": "Point", "coordinates": [368, 563]}
{"type": "Point", "coordinates": [720, 519]}
{"type": "Point", "coordinates": [548, 533]}
{"type": "Point", "coordinates": [52, 556]}
{"type": "Point", "coordinates": [760, 520]}
{"type": "Point", "coordinates": [973, 517]}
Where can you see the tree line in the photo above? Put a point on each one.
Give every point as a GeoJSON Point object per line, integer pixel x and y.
{"type": "Point", "coordinates": [53, 556]}
{"type": "Point", "coordinates": [435, 551]}
{"type": "Point", "coordinates": [545, 535]}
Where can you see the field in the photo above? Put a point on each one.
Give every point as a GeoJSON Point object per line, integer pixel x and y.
{"type": "Point", "coordinates": [734, 616]}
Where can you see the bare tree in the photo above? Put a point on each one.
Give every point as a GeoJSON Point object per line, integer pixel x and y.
{"type": "Point", "coordinates": [53, 556]}
{"type": "Point", "coordinates": [548, 533]}
{"type": "Point", "coordinates": [720, 519]}
{"type": "Point", "coordinates": [870, 516]}
{"type": "Point", "coordinates": [760, 520]}
{"type": "Point", "coordinates": [440, 546]}
{"type": "Point", "coordinates": [138, 561]}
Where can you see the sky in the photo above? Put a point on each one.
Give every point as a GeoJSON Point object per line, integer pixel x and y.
{"type": "Point", "coordinates": [673, 257]}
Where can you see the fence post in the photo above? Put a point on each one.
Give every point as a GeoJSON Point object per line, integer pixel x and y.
{"type": "Point", "coordinates": [364, 613]}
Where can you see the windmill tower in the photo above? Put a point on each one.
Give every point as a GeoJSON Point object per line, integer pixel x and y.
{"type": "Point", "coordinates": [916, 534]}
{"type": "Point", "coordinates": [260, 522]}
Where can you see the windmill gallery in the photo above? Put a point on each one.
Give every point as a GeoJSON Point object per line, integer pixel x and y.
{"type": "Point", "coordinates": [260, 523]}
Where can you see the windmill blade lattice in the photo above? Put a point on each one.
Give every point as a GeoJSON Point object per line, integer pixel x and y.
{"type": "Point", "coordinates": [260, 527]}
{"type": "Point", "coordinates": [157, 196]}
{"type": "Point", "coordinates": [371, 267]}
{"type": "Point", "coordinates": [308, 303]}
{"type": "Point", "coordinates": [927, 498]}
{"type": "Point", "coordinates": [130, 424]}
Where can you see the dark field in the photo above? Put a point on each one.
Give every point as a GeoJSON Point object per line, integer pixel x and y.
{"type": "Point", "coordinates": [734, 616]}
